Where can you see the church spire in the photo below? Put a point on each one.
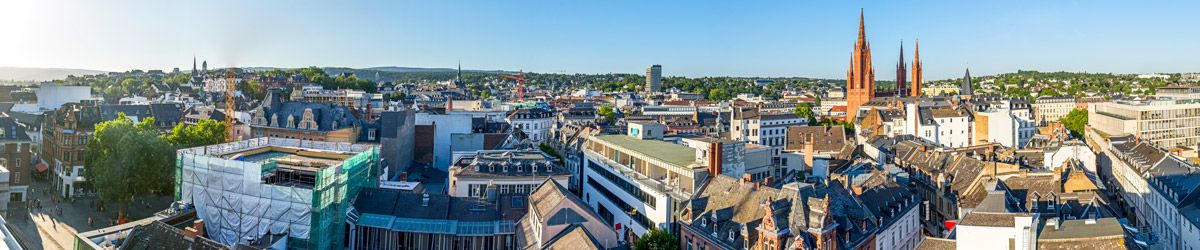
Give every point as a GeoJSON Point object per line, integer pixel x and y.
{"type": "Point", "coordinates": [860, 79]}
{"type": "Point", "coordinates": [917, 74]}
{"type": "Point", "coordinates": [966, 85]}
{"type": "Point", "coordinates": [901, 73]}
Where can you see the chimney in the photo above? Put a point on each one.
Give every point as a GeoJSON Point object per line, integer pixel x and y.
{"type": "Point", "coordinates": [808, 151]}
{"type": "Point", "coordinates": [746, 178]}
{"type": "Point", "coordinates": [196, 230]}
{"type": "Point", "coordinates": [425, 200]}
{"type": "Point", "coordinates": [403, 176]}
{"type": "Point", "coordinates": [714, 158]}
{"type": "Point", "coordinates": [768, 181]}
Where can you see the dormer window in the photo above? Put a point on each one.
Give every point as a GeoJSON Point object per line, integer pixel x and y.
{"type": "Point", "coordinates": [520, 168]}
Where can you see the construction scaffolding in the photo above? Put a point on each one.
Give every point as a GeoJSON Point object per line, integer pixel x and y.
{"type": "Point", "coordinates": [242, 201]}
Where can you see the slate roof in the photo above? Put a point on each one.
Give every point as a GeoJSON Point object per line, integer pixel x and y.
{"type": "Point", "coordinates": [825, 138]}
{"type": "Point", "coordinates": [574, 237]}
{"type": "Point", "coordinates": [403, 204]}
{"type": "Point", "coordinates": [1104, 233]}
{"type": "Point", "coordinates": [324, 114]}
{"type": "Point", "coordinates": [1175, 179]}
{"type": "Point", "coordinates": [931, 243]}
{"type": "Point", "coordinates": [506, 163]}
{"type": "Point", "coordinates": [110, 111]}
{"type": "Point", "coordinates": [159, 235]}
{"type": "Point", "coordinates": [726, 205]}
{"type": "Point", "coordinates": [962, 171]}
{"type": "Point", "coordinates": [12, 130]}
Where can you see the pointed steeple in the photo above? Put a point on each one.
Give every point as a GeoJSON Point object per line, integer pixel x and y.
{"type": "Point", "coordinates": [862, 27]}
{"type": "Point", "coordinates": [860, 79]}
{"type": "Point", "coordinates": [966, 85]}
{"type": "Point", "coordinates": [901, 73]}
{"type": "Point", "coordinates": [917, 74]}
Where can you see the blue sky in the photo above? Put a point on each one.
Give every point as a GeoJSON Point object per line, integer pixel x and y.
{"type": "Point", "coordinates": [692, 38]}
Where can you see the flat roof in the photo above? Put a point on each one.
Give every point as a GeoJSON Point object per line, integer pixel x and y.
{"type": "Point", "coordinates": [292, 156]}
{"type": "Point", "coordinates": [671, 153]}
{"type": "Point", "coordinates": [1080, 229]}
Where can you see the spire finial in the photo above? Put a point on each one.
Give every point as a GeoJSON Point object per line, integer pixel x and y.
{"type": "Point", "coordinates": [862, 33]}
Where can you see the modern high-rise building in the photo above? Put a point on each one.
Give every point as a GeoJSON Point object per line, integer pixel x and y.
{"type": "Point", "coordinates": [860, 79]}
{"type": "Point", "coordinates": [654, 78]}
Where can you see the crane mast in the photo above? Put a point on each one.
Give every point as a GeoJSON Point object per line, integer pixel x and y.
{"type": "Point", "coordinates": [520, 78]}
{"type": "Point", "coordinates": [230, 81]}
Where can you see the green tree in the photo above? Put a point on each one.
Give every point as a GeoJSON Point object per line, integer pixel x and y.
{"type": "Point", "coordinates": [804, 110]}
{"type": "Point", "coordinates": [657, 239]}
{"type": "Point", "coordinates": [124, 159]}
{"type": "Point", "coordinates": [253, 89]}
{"type": "Point", "coordinates": [205, 132]}
{"type": "Point", "coordinates": [1075, 121]}
{"type": "Point", "coordinates": [1048, 92]}
{"type": "Point", "coordinates": [608, 113]}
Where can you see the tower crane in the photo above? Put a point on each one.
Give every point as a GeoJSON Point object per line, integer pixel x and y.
{"type": "Point", "coordinates": [230, 83]}
{"type": "Point", "coordinates": [520, 78]}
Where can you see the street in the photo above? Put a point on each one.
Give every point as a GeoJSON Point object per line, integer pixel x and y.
{"type": "Point", "coordinates": [46, 228]}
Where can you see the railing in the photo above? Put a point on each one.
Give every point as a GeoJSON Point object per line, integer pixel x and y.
{"type": "Point", "coordinates": [632, 175]}
{"type": "Point", "coordinates": [238, 146]}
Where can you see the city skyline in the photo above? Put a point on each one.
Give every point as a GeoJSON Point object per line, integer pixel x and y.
{"type": "Point", "coordinates": [770, 39]}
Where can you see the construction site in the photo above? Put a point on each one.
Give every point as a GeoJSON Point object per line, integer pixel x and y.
{"type": "Point", "coordinates": [266, 190]}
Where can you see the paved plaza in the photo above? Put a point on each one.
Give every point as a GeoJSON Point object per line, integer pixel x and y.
{"type": "Point", "coordinates": [45, 228]}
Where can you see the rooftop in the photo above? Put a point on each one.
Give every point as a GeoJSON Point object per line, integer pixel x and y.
{"type": "Point", "coordinates": [1104, 233]}
{"type": "Point", "coordinates": [508, 163]}
{"type": "Point", "coordinates": [429, 213]}
{"type": "Point", "coordinates": [671, 153]}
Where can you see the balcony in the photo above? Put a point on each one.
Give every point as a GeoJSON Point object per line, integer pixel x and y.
{"type": "Point", "coordinates": [657, 185]}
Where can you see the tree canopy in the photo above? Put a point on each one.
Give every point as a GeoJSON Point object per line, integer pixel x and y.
{"type": "Point", "coordinates": [124, 159]}
{"type": "Point", "coordinates": [205, 132]}
{"type": "Point", "coordinates": [805, 110]}
{"type": "Point", "coordinates": [657, 239]}
{"type": "Point", "coordinates": [318, 76]}
{"type": "Point", "coordinates": [608, 113]}
{"type": "Point", "coordinates": [1075, 122]}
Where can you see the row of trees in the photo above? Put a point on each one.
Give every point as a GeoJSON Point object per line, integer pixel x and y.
{"type": "Point", "coordinates": [126, 159]}
{"type": "Point", "coordinates": [318, 76]}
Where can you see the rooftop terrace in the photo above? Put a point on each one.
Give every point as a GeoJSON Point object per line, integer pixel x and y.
{"type": "Point", "coordinates": [670, 153]}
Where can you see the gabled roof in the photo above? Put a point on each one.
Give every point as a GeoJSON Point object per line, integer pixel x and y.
{"type": "Point", "coordinates": [575, 237]}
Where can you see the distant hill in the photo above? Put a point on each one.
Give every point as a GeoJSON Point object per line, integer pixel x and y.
{"type": "Point", "coordinates": [407, 69]}
{"type": "Point", "coordinates": [41, 74]}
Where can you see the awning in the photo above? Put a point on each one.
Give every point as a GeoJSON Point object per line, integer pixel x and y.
{"type": "Point", "coordinates": [41, 167]}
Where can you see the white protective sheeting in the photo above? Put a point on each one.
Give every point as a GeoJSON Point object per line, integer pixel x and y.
{"type": "Point", "coordinates": [230, 196]}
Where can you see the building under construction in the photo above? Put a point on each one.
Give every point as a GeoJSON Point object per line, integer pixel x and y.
{"type": "Point", "coordinates": [272, 188]}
